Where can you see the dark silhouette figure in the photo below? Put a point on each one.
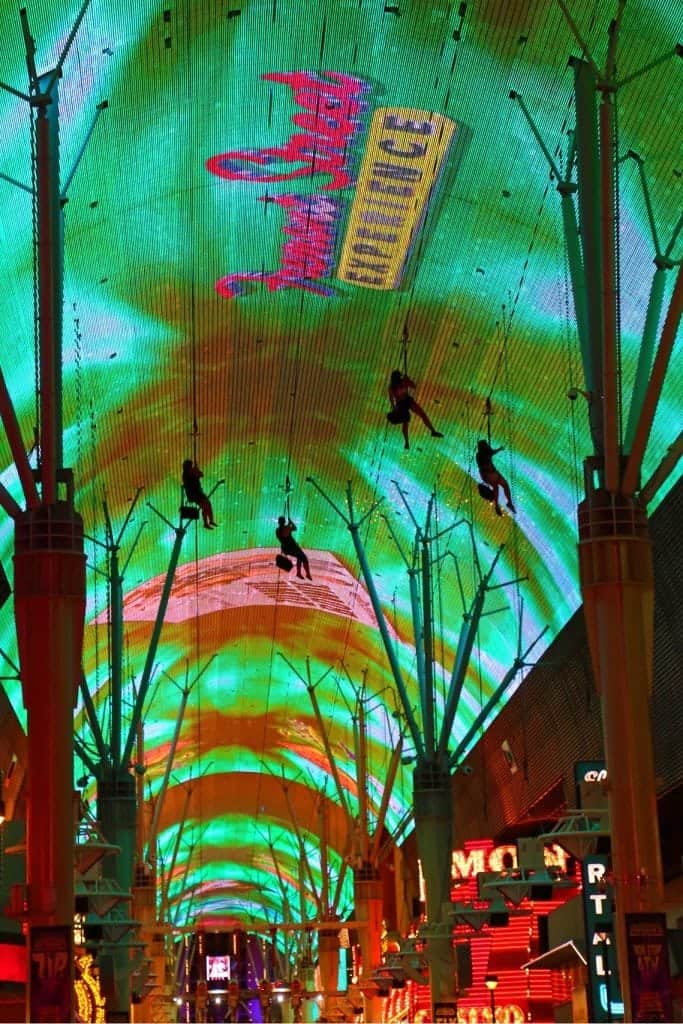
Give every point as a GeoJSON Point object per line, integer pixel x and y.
{"type": "Point", "coordinates": [289, 546]}
{"type": "Point", "coordinates": [491, 476]}
{"type": "Point", "coordinates": [194, 492]}
{"type": "Point", "coordinates": [403, 403]}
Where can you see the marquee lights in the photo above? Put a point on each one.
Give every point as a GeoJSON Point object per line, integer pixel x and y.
{"type": "Point", "coordinates": [509, 1013]}
{"type": "Point", "coordinates": [503, 950]}
{"type": "Point", "coordinates": [468, 863]}
{"type": "Point", "coordinates": [90, 1002]}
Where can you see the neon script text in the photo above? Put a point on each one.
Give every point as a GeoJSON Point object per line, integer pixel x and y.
{"type": "Point", "coordinates": [307, 255]}
{"type": "Point", "coordinates": [330, 122]}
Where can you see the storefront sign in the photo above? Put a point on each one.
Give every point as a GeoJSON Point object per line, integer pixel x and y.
{"type": "Point", "coordinates": [468, 863]}
{"type": "Point", "coordinates": [446, 1013]}
{"type": "Point", "coordinates": [217, 968]}
{"type": "Point", "coordinates": [595, 775]}
{"type": "Point", "coordinates": [508, 1013]}
{"type": "Point", "coordinates": [598, 903]}
{"type": "Point", "coordinates": [52, 969]}
{"type": "Point", "coordinates": [648, 967]}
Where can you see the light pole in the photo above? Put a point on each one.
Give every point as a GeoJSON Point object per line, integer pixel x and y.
{"type": "Point", "coordinates": [491, 981]}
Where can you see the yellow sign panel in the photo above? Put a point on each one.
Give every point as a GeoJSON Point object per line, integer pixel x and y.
{"type": "Point", "coordinates": [405, 154]}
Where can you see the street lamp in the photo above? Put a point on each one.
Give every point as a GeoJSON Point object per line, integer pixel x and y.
{"type": "Point", "coordinates": [491, 981]}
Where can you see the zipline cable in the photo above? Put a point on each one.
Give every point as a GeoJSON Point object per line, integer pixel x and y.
{"type": "Point", "coordinates": [193, 363]}
{"type": "Point", "coordinates": [511, 442]}
{"type": "Point", "coordinates": [195, 433]}
{"type": "Point", "coordinates": [569, 333]}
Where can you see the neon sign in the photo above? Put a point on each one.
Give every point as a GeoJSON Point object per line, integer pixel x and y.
{"type": "Point", "coordinates": [595, 775]}
{"type": "Point", "coordinates": [598, 902]}
{"type": "Point", "coordinates": [507, 1014]}
{"type": "Point", "coordinates": [474, 859]}
{"type": "Point", "coordinates": [218, 968]}
{"type": "Point", "coordinates": [505, 949]}
{"type": "Point", "coordinates": [90, 1002]}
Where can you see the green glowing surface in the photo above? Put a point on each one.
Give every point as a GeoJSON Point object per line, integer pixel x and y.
{"type": "Point", "coordinates": [289, 383]}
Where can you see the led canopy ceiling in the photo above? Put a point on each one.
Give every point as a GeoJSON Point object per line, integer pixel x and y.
{"type": "Point", "coordinates": [282, 202]}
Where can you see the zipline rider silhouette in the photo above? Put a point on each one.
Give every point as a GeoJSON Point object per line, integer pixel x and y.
{"type": "Point", "coordinates": [289, 546]}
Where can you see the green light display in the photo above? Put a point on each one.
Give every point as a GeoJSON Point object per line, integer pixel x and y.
{"type": "Point", "coordinates": [281, 203]}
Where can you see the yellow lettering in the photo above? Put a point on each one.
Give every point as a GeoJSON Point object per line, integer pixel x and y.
{"type": "Point", "coordinates": [465, 865]}
{"type": "Point", "coordinates": [496, 862]}
{"type": "Point", "coordinates": [401, 124]}
{"type": "Point", "coordinates": [415, 149]}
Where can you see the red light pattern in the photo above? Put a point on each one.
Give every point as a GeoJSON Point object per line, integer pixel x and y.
{"type": "Point", "coordinates": [12, 962]}
{"type": "Point", "coordinates": [520, 995]}
{"type": "Point", "coordinates": [502, 951]}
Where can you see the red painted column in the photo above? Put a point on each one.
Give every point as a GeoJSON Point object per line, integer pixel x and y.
{"type": "Point", "coordinates": [617, 581]}
{"type": "Point", "coordinates": [369, 904]}
{"type": "Point", "coordinates": [49, 584]}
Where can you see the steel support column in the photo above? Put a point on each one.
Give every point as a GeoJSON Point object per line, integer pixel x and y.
{"type": "Point", "coordinates": [117, 817]}
{"type": "Point", "coordinates": [433, 813]}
